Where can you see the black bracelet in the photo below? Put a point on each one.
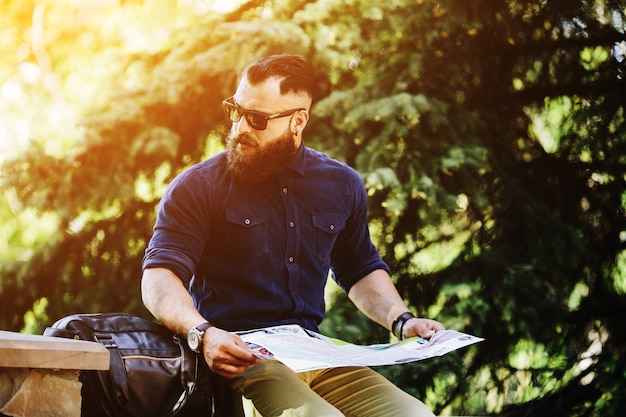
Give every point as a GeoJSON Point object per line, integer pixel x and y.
{"type": "Point", "coordinates": [398, 324]}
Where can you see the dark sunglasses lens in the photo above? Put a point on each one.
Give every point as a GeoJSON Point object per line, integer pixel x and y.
{"type": "Point", "coordinates": [256, 121]}
{"type": "Point", "coordinates": [231, 112]}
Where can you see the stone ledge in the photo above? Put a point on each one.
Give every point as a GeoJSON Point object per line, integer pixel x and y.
{"type": "Point", "coordinates": [39, 393]}
{"type": "Point", "coordinates": [33, 351]}
{"type": "Point", "coordinates": [39, 375]}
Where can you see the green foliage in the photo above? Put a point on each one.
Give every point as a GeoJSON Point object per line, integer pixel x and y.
{"type": "Point", "coordinates": [490, 136]}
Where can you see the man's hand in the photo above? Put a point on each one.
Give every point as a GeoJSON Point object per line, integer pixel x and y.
{"type": "Point", "coordinates": [417, 326]}
{"type": "Point", "coordinates": [226, 353]}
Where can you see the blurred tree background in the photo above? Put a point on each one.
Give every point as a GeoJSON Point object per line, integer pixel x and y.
{"type": "Point", "coordinates": [491, 137]}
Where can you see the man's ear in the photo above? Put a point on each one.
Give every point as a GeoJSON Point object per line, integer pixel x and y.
{"type": "Point", "coordinates": [299, 122]}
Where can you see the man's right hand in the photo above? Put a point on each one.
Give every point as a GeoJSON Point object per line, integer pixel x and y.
{"type": "Point", "coordinates": [226, 353]}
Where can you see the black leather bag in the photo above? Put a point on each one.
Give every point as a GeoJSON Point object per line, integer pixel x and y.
{"type": "Point", "coordinates": [152, 373]}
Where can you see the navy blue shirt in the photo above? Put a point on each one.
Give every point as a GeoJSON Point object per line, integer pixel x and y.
{"type": "Point", "coordinates": [259, 255]}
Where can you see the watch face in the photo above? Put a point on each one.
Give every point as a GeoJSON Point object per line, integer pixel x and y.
{"type": "Point", "coordinates": [193, 340]}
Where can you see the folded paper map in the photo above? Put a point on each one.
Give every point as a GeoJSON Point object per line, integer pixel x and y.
{"type": "Point", "coordinates": [304, 350]}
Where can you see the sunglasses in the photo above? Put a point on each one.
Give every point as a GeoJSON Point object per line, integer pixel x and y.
{"type": "Point", "coordinates": [256, 120]}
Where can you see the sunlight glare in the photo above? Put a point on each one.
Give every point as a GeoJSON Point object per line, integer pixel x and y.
{"type": "Point", "coordinates": [206, 6]}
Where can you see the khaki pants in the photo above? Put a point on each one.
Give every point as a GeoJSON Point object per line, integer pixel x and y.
{"type": "Point", "coordinates": [271, 389]}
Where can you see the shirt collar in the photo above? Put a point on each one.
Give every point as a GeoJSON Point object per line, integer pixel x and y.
{"type": "Point", "coordinates": [297, 164]}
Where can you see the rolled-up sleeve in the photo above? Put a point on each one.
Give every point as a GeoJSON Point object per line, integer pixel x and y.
{"type": "Point", "coordinates": [181, 228]}
{"type": "Point", "coordinates": [354, 255]}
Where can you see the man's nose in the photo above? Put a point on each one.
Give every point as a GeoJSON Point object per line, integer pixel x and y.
{"type": "Point", "coordinates": [242, 126]}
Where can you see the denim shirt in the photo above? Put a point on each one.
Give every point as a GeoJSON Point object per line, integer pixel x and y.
{"type": "Point", "coordinates": [257, 256]}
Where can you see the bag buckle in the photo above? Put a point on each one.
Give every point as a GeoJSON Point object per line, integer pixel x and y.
{"type": "Point", "coordinates": [106, 339]}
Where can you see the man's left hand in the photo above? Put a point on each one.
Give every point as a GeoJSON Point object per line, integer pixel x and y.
{"type": "Point", "coordinates": [418, 326]}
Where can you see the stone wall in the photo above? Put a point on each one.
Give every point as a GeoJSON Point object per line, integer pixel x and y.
{"type": "Point", "coordinates": [39, 392]}
{"type": "Point", "coordinates": [39, 374]}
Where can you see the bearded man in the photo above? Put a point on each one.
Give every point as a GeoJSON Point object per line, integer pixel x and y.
{"type": "Point", "coordinates": [246, 239]}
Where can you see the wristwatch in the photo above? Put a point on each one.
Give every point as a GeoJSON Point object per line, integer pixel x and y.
{"type": "Point", "coordinates": [194, 336]}
{"type": "Point", "coordinates": [397, 327]}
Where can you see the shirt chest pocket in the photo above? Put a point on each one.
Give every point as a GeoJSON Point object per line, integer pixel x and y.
{"type": "Point", "coordinates": [246, 232]}
{"type": "Point", "coordinates": [326, 227]}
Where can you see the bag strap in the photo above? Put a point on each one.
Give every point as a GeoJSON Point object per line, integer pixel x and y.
{"type": "Point", "coordinates": [65, 333]}
{"type": "Point", "coordinates": [188, 374]}
{"type": "Point", "coordinates": [117, 368]}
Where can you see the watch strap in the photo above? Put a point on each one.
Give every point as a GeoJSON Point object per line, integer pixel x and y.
{"type": "Point", "coordinates": [397, 328]}
{"type": "Point", "coordinates": [202, 327]}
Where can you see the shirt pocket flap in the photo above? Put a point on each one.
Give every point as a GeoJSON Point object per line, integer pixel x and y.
{"type": "Point", "coordinates": [247, 216]}
{"type": "Point", "coordinates": [330, 223]}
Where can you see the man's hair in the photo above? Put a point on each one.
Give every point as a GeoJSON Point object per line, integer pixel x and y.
{"type": "Point", "coordinates": [295, 73]}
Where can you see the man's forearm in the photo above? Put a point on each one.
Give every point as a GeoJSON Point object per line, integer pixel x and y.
{"type": "Point", "coordinates": [376, 296]}
{"type": "Point", "coordinates": [165, 296]}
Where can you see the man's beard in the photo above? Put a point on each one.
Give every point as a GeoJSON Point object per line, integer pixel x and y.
{"type": "Point", "coordinates": [253, 167]}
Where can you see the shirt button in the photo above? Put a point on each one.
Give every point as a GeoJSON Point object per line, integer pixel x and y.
{"type": "Point", "coordinates": [290, 259]}
{"type": "Point", "coordinates": [284, 190]}
{"type": "Point", "coordinates": [331, 227]}
{"type": "Point", "coordinates": [247, 221]}
{"type": "Point", "coordinates": [291, 224]}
